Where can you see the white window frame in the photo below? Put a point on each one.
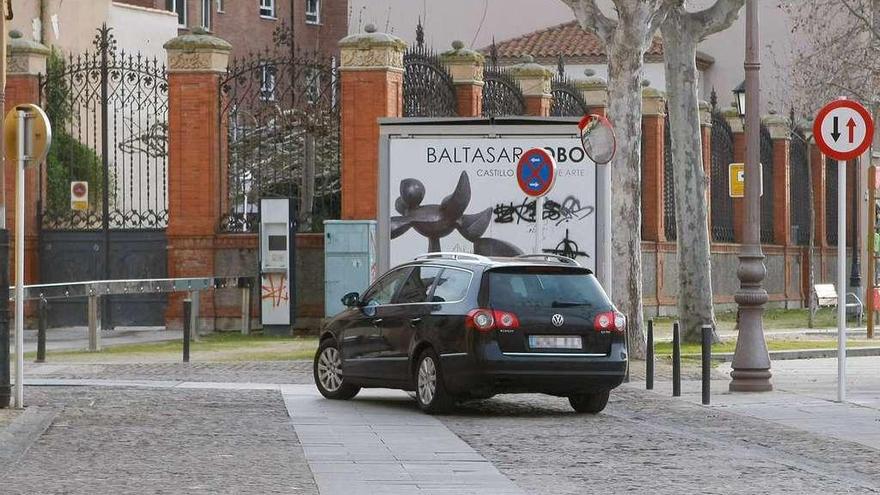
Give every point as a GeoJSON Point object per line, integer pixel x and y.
{"type": "Point", "coordinates": [267, 9]}
{"type": "Point", "coordinates": [220, 9]}
{"type": "Point", "coordinates": [206, 14]}
{"type": "Point", "coordinates": [174, 4]}
{"type": "Point", "coordinates": [316, 14]}
{"type": "Point", "coordinates": [268, 82]}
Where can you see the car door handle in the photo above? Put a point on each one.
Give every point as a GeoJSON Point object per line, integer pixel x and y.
{"type": "Point", "coordinates": [415, 321]}
{"type": "Point", "coordinates": [377, 321]}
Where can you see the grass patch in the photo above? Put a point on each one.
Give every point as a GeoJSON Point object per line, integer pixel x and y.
{"type": "Point", "coordinates": [775, 319]}
{"type": "Point", "coordinates": [218, 347]}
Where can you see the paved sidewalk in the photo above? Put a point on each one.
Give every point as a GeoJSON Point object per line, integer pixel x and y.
{"type": "Point", "coordinates": [804, 397]}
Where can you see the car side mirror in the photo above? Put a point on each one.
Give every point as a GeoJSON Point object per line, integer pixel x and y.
{"type": "Point", "coordinates": [351, 300]}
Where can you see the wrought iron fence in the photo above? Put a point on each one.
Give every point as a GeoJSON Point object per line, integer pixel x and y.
{"type": "Point", "coordinates": [109, 113]}
{"type": "Point", "coordinates": [767, 205]}
{"type": "Point", "coordinates": [669, 226]}
{"type": "Point", "coordinates": [799, 191]}
{"type": "Point", "coordinates": [831, 201]}
{"type": "Point", "coordinates": [428, 89]}
{"type": "Point", "coordinates": [281, 112]}
{"type": "Point", "coordinates": [722, 156]}
{"type": "Point", "coordinates": [502, 95]}
{"type": "Point", "coordinates": [566, 100]}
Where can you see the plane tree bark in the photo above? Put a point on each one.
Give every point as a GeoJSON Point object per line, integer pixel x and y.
{"type": "Point", "coordinates": [682, 31]}
{"type": "Point", "coordinates": [627, 34]}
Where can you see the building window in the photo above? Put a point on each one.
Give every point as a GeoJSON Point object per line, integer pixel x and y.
{"type": "Point", "coordinates": [179, 8]}
{"type": "Point", "coordinates": [206, 14]}
{"type": "Point", "coordinates": [313, 11]}
{"type": "Point", "coordinates": [267, 8]}
{"type": "Point", "coordinates": [220, 6]}
{"type": "Point", "coordinates": [267, 82]}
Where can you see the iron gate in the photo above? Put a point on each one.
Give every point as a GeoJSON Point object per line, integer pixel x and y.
{"type": "Point", "coordinates": [767, 213]}
{"type": "Point", "coordinates": [799, 193]}
{"type": "Point", "coordinates": [502, 95]}
{"type": "Point", "coordinates": [428, 88]}
{"type": "Point", "coordinates": [722, 156]}
{"type": "Point", "coordinates": [566, 99]}
{"type": "Point", "coordinates": [281, 112]}
{"type": "Point", "coordinates": [109, 113]}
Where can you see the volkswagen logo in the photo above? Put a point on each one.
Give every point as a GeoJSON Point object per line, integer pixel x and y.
{"type": "Point", "coordinates": [557, 320]}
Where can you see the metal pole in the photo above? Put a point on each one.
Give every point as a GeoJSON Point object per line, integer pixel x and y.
{"type": "Point", "coordinates": [194, 316]}
{"type": "Point", "coordinates": [604, 270]}
{"type": "Point", "coordinates": [841, 280]}
{"type": "Point", "coordinates": [246, 310]}
{"type": "Point", "coordinates": [41, 330]}
{"type": "Point", "coordinates": [751, 361]}
{"type": "Point", "coordinates": [19, 259]}
{"type": "Point", "coordinates": [5, 382]}
{"type": "Point", "coordinates": [872, 261]}
{"type": "Point", "coordinates": [105, 159]}
{"type": "Point", "coordinates": [187, 326]}
{"type": "Point", "coordinates": [649, 359]}
{"type": "Point", "coordinates": [539, 223]}
{"type": "Point", "coordinates": [676, 361]}
{"type": "Point", "coordinates": [706, 348]}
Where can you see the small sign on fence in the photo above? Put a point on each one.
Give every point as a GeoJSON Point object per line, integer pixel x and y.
{"type": "Point", "coordinates": [79, 195]}
{"type": "Point", "coordinates": [736, 180]}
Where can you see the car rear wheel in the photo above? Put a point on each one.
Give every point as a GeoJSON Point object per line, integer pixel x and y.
{"type": "Point", "coordinates": [327, 369]}
{"type": "Point", "coordinates": [589, 403]}
{"type": "Point", "coordinates": [431, 393]}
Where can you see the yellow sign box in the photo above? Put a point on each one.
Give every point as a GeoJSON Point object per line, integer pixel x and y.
{"type": "Point", "coordinates": [736, 180]}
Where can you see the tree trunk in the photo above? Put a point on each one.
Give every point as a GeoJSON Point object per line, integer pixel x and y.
{"type": "Point", "coordinates": [695, 307]}
{"type": "Point", "coordinates": [624, 86]}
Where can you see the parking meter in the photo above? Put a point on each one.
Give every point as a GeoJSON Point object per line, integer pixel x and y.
{"type": "Point", "coordinates": [277, 228]}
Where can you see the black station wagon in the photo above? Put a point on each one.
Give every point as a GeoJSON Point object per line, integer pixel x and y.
{"type": "Point", "coordinates": [455, 326]}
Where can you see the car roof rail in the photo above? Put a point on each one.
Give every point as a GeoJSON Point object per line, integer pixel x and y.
{"type": "Point", "coordinates": [453, 256]}
{"type": "Point", "coordinates": [550, 257]}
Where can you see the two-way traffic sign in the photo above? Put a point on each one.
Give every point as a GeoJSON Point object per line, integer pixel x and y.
{"type": "Point", "coordinates": [843, 129]}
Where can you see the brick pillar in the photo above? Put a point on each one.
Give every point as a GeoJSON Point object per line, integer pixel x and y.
{"type": "Point", "coordinates": [26, 60]}
{"type": "Point", "coordinates": [466, 68]}
{"type": "Point", "coordinates": [653, 128]}
{"type": "Point", "coordinates": [706, 142]}
{"type": "Point", "coordinates": [195, 64]}
{"type": "Point", "coordinates": [595, 92]}
{"type": "Point", "coordinates": [817, 164]}
{"type": "Point", "coordinates": [534, 79]}
{"type": "Point", "coordinates": [739, 156]}
{"type": "Point", "coordinates": [371, 77]}
{"type": "Point", "coordinates": [780, 132]}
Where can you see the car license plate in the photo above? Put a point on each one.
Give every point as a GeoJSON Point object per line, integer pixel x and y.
{"type": "Point", "coordinates": [554, 342]}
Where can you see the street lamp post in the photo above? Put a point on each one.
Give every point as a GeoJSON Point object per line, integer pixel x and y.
{"type": "Point", "coordinates": [751, 362]}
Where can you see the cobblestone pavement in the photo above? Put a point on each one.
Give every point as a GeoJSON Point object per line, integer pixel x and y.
{"type": "Point", "coordinates": [118, 440]}
{"type": "Point", "coordinates": [6, 417]}
{"type": "Point", "coordinates": [653, 444]}
{"type": "Point", "coordinates": [243, 372]}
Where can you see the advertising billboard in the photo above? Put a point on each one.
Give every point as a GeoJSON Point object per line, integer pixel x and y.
{"type": "Point", "coordinates": [460, 193]}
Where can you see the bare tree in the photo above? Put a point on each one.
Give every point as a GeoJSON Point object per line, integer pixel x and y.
{"type": "Point", "coordinates": [627, 34]}
{"type": "Point", "coordinates": [682, 31]}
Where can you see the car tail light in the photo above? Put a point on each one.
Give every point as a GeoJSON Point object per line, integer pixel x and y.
{"type": "Point", "coordinates": [610, 321]}
{"type": "Point", "coordinates": [486, 320]}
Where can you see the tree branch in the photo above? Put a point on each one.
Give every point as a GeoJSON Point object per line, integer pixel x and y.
{"type": "Point", "coordinates": [869, 23]}
{"type": "Point", "coordinates": [591, 18]}
{"type": "Point", "coordinates": [716, 18]}
{"type": "Point", "coordinates": [660, 14]}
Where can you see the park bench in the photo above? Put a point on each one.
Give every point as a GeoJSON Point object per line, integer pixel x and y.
{"type": "Point", "coordinates": [826, 296]}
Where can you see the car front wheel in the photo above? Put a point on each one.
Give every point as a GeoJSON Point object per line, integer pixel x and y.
{"type": "Point", "coordinates": [431, 393]}
{"type": "Point", "coordinates": [589, 403]}
{"type": "Point", "coordinates": [327, 369]}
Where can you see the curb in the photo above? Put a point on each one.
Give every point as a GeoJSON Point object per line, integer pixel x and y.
{"type": "Point", "coordinates": [22, 433]}
{"type": "Point", "coordinates": [797, 354]}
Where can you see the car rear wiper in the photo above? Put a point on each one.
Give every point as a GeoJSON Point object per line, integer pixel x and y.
{"type": "Point", "coordinates": [569, 304]}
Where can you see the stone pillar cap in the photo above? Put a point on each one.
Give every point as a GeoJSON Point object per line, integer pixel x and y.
{"type": "Point", "coordinates": [649, 92]}
{"type": "Point", "coordinates": [530, 69]}
{"type": "Point", "coordinates": [704, 106]}
{"type": "Point", "coordinates": [197, 52]}
{"type": "Point", "coordinates": [18, 44]}
{"type": "Point", "coordinates": [371, 40]}
{"type": "Point", "coordinates": [778, 125]}
{"type": "Point", "coordinates": [591, 83]}
{"type": "Point", "coordinates": [460, 54]}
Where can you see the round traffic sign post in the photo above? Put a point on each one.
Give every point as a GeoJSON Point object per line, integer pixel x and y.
{"type": "Point", "coordinates": [536, 175]}
{"type": "Point", "coordinates": [843, 130]}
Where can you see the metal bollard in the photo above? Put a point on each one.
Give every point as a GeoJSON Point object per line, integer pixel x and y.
{"type": "Point", "coordinates": [245, 308]}
{"type": "Point", "coordinates": [94, 323]}
{"type": "Point", "coordinates": [194, 316]}
{"type": "Point", "coordinates": [676, 361]}
{"type": "Point", "coordinates": [707, 362]}
{"type": "Point", "coordinates": [42, 322]}
{"type": "Point", "coordinates": [649, 359]}
{"type": "Point", "coordinates": [187, 325]}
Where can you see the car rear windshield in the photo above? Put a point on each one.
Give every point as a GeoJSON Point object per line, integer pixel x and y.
{"type": "Point", "coordinates": [544, 287]}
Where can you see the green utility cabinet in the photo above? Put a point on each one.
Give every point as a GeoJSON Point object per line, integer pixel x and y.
{"type": "Point", "coordinates": [349, 260]}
